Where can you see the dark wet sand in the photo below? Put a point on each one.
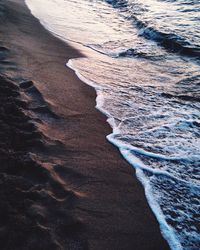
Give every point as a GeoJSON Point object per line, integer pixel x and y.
{"type": "Point", "coordinates": [63, 186]}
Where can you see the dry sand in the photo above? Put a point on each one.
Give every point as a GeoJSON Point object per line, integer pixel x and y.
{"type": "Point", "coordinates": [63, 186]}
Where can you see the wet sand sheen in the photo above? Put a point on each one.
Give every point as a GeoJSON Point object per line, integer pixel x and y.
{"type": "Point", "coordinates": [78, 192]}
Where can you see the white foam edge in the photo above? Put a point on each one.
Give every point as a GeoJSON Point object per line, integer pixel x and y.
{"type": "Point", "coordinates": [131, 149]}
{"type": "Point", "coordinates": [99, 98]}
{"type": "Point", "coordinates": [166, 230]}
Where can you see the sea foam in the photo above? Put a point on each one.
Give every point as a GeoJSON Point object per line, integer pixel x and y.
{"type": "Point", "coordinates": [125, 149]}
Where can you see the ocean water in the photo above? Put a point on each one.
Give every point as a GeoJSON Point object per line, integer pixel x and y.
{"type": "Point", "coordinates": [143, 59]}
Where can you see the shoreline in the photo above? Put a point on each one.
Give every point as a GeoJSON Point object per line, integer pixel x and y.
{"type": "Point", "coordinates": [108, 201]}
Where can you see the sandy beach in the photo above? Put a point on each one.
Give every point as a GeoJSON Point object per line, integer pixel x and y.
{"type": "Point", "coordinates": [63, 185]}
